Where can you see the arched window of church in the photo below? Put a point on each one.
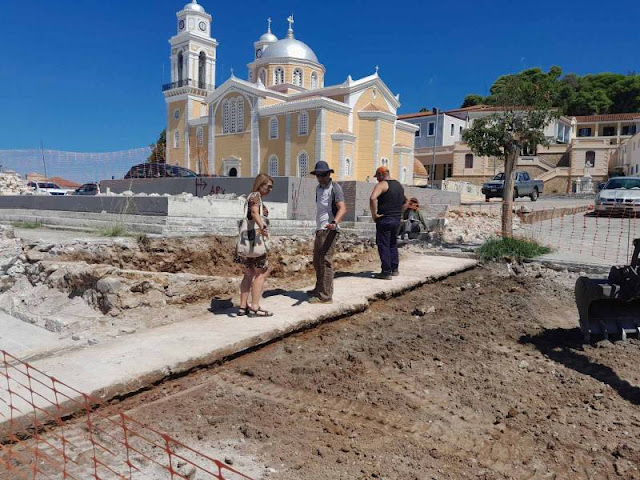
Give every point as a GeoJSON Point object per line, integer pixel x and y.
{"type": "Point", "coordinates": [233, 115]}
{"type": "Point", "coordinates": [314, 81]}
{"type": "Point", "coordinates": [176, 139]}
{"type": "Point", "coordinates": [273, 128]}
{"type": "Point", "coordinates": [240, 114]}
{"type": "Point", "coordinates": [303, 164]}
{"type": "Point", "coordinates": [278, 76]}
{"type": "Point", "coordinates": [180, 68]}
{"type": "Point", "coordinates": [297, 77]}
{"type": "Point", "coordinates": [263, 76]}
{"type": "Point", "coordinates": [202, 70]}
{"type": "Point", "coordinates": [303, 123]}
{"type": "Point", "coordinates": [226, 124]}
{"type": "Point", "coordinates": [200, 136]}
{"type": "Point", "coordinates": [384, 162]}
{"type": "Point", "coordinates": [590, 159]}
{"type": "Point", "coordinates": [347, 167]}
{"type": "Point", "coordinates": [273, 166]}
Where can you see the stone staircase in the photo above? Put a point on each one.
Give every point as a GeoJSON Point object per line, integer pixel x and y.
{"type": "Point", "coordinates": [553, 173]}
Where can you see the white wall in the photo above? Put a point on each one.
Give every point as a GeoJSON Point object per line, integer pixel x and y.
{"type": "Point", "coordinates": [633, 152]}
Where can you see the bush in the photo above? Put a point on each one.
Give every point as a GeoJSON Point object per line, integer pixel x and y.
{"type": "Point", "coordinates": [27, 224]}
{"type": "Point", "coordinates": [117, 230]}
{"type": "Point", "coordinates": [497, 249]}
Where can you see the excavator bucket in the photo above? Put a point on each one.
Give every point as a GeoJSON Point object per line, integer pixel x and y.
{"type": "Point", "coordinates": [603, 311]}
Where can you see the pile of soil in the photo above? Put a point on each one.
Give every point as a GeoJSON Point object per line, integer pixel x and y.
{"type": "Point", "coordinates": [481, 376]}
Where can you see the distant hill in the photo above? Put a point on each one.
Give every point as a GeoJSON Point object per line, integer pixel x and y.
{"type": "Point", "coordinates": [595, 94]}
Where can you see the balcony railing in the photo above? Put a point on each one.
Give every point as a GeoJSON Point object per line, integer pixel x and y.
{"type": "Point", "coordinates": [187, 82]}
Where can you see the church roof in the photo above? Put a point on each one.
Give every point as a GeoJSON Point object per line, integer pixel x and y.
{"type": "Point", "coordinates": [290, 48]}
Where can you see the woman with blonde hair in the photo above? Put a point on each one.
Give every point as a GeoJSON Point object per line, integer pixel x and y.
{"type": "Point", "coordinates": [256, 269]}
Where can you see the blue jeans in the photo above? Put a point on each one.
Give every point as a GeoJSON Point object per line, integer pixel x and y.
{"type": "Point", "coordinates": [386, 240]}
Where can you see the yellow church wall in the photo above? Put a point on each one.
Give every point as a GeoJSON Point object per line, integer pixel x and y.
{"type": "Point", "coordinates": [176, 155]}
{"type": "Point", "coordinates": [367, 97]}
{"type": "Point", "coordinates": [405, 138]}
{"type": "Point", "coordinates": [239, 146]}
{"type": "Point", "coordinates": [270, 147]}
{"type": "Point", "coordinates": [334, 121]}
{"type": "Point", "coordinates": [265, 102]}
{"type": "Point", "coordinates": [364, 162]}
{"type": "Point", "coordinates": [199, 153]}
{"type": "Point", "coordinates": [385, 141]}
{"type": "Point", "coordinates": [303, 143]}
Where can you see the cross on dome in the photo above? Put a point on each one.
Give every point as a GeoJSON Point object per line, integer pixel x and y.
{"type": "Point", "coordinates": [269, 25]}
{"type": "Point", "coordinates": [290, 31]}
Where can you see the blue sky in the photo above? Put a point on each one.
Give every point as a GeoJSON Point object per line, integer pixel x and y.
{"type": "Point", "coordinates": [85, 75]}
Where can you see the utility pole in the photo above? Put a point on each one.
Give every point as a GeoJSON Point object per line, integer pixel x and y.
{"type": "Point", "coordinates": [432, 173]}
{"type": "Point", "coordinates": [44, 163]}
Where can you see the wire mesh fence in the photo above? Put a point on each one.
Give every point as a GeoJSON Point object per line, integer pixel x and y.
{"type": "Point", "coordinates": [573, 230]}
{"type": "Point", "coordinates": [590, 237]}
{"type": "Point", "coordinates": [37, 443]}
{"type": "Point", "coordinates": [75, 167]}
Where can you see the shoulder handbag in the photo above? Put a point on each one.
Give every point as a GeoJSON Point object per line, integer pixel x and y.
{"type": "Point", "coordinates": [251, 243]}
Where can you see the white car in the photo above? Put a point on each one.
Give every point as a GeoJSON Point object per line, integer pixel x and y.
{"type": "Point", "coordinates": [47, 188]}
{"type": "Point", "coordinates": [619, 195]}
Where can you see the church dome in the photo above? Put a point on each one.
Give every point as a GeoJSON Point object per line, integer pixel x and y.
{"type": "Point", "coordinates": [194, 7]}
{"type": "Point", "coordinates": [268, 37]}
{"type": "Point", "coordinates": [290, 48]}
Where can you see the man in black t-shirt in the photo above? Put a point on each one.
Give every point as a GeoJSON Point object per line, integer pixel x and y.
{"type": "Point", "coordinates": [386, 203]}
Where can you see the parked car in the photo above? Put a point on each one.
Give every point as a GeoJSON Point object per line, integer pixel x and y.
{"type": "Point", "coordinates": [524, 186]}
{"type": "Point", "coordinates": [158, 170]}
{"type": "Point", "coordinates": [619, 195]}
{"type": "Point", "coordinates": [88, 189]}
{"type": "Point", "coordinates": [48, 187]}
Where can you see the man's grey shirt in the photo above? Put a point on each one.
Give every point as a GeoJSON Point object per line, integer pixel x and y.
{"type": "Point", "coordinates": [324, 213]}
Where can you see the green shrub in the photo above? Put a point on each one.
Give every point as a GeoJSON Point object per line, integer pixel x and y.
{"type": "Point", "coordinates": [27, 224]}
{"type": "Point", "coordinates": [116, 230]}
{"type": "Point", "coordinates": [510, 248]}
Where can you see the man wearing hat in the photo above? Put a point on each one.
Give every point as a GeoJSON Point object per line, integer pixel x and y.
{"type": "Point", "coordinates": [330, 209]}
{"type": "Point", "coordinates": [386, 203]}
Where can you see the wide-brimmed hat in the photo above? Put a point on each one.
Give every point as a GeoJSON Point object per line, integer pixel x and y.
{"type": "Point", "coordinates": [321, 167]}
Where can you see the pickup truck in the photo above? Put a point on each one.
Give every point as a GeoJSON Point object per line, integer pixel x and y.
{"type": "Point", "coordinates": [525, 186]}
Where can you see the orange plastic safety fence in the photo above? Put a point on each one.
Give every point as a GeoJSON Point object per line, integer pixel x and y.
{"type": "Point", "coordinates": [36, 442]}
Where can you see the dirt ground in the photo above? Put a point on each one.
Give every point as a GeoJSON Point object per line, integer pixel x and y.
{"type": "Point", "coordinates": [491, 383]}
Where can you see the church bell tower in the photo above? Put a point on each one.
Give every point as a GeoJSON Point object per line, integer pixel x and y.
{"type": "Point", "coordinates": [193, 73]}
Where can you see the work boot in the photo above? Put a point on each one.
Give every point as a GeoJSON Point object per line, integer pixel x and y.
{"type": "Point", "coordinates": [320, 300]}
{"type": "Point", "coordinates": [395, 272]}
{"type": "Point", "coordinates": [383, 276]}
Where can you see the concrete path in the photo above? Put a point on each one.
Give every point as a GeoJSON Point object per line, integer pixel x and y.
{"type": "Point", "coordinates": [132, 362]}
{"type": "Point", "coordinates": [23, 339]}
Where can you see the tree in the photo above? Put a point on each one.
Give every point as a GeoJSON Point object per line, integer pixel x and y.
{"type": "Point", "coordinates": [159, 149]}
{"type": "Point", "coordinates": [472, 100]}
{"type": "Point", "coordinates": [599, 93]}
{"type": "Point", "coordinates": [525, 109]}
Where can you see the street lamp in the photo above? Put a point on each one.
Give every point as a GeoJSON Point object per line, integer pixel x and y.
{"type": "Point", "coordinates": [432, 173]}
